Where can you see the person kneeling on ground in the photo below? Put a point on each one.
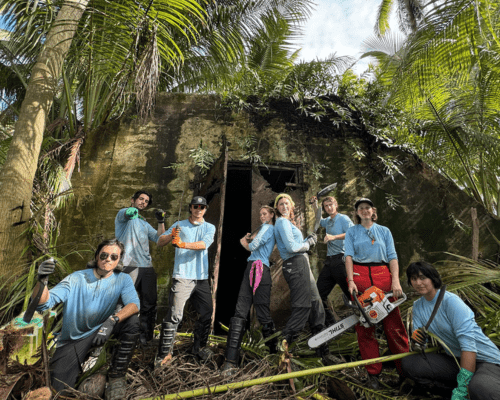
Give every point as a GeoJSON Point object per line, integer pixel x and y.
{"type": "Point", "coordinates": [89, 299]}
{"type": "Point", "coordinates": [454, 323]}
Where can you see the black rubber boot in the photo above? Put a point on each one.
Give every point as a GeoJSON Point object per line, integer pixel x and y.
{"type": "Point", "coordinates": [201, 332]}
{"type": "Point", "coordinates": [234, 338]}
{"type": "Point", "coordinates": [166, 345]}
{"type": "Point", "coordinates": [147, 326]}
{"type": "Point", "coordinates": [122, 355]}
{"type": "Point", "coordinates": [269, 330]}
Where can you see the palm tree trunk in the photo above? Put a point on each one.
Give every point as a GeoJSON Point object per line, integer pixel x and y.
{"type": "Point", "coordinates": [18, 171]}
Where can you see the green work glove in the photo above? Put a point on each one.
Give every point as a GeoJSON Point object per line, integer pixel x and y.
{"type": "Point", "coordinates": [132, 213]}
{"type": "Point", "coordinates": [463, 379]}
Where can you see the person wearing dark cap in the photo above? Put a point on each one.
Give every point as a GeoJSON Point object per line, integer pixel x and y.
{"type": "Point", "coordinates": [191, 237]}
{"type": "Point", "coordinates": [371, 260]}
{"type": "Point", "coordinates": [135, 233]}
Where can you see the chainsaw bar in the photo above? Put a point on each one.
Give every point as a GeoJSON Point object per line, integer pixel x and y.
{"type": "Point", "coordinates": [333, 331]}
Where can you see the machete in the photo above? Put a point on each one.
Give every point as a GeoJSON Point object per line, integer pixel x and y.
{"type": "Point", "coordinates": [28, 315]}
{"type": "Point", "coordinates": [180, 209]}
{"type": "Point", "coordinates": [322, 192]}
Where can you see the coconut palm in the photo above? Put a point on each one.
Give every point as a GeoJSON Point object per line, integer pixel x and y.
{"type": "Point", "coordinates": [410, 14]}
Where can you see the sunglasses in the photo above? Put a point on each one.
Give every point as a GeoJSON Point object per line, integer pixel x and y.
{"type": "Point", "coordinates": [104, 256]}
{"type": "Point", "coordinates": [199, 206]}
{"type": "Point", "coordinates": [371, 236]}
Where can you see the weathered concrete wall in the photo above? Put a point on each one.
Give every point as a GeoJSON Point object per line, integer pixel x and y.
{"type": "Point", "coordinates": [128, 155]}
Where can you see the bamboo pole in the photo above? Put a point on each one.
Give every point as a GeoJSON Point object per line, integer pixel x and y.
{"type": "Point", "coordinates": [276, 378]}
{"type": "Point", "coordinates": [475, 234]}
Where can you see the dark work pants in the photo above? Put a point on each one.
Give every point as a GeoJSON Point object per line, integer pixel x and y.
{"type": "Point", "coordinates": [145, 283]}
{"type": "Point", "coordinates": [333, 273]}
{"type": "Point", "coordinates": [297, 274]}
{"type": "Point", "coordinates": [65, 365]}
{"type": "Point", "coordinates": [440, 370]}
{"type": "Point", "coordinates": [260, 300]}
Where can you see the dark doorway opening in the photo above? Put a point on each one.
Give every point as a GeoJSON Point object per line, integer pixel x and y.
{"type": "Point", "coordinates": [238, 220]}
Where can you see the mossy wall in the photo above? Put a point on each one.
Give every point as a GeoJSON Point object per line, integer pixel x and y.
{"type": "Point", "coordinates": [155, 155]}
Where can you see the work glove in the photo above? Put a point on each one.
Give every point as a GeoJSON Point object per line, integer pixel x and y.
{"type": "Point", "coordinates": [160, 216]}
{"type": "Point", "coordinates": [132, 213]}
{"type": "Point", "coordinates": [463, 379]}
{"type": "Point", "coordinates": [175, 232]}
{"type": "Point", "coordinates": [177, 242]}
{"type": "Point", "coordinates": [312, 239]}
{"type": "Point", "coordinates": [419, 339]}
{"type": "Point", "coordinates": [46, 268]}
{"type": "Point", "coordinates": [104, 331]}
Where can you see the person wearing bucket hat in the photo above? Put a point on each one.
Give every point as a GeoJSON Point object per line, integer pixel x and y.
{"type": "Point", "coordinates": [191, 238]}
{"type": "Point", "coordinates": [255, 289]}
{"type": "Point", "coordinates": [305, 300]}
{"type": "Point", "coordinates": [371, 260]}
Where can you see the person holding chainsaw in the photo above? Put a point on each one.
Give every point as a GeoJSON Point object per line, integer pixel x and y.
{"type": "Point", "coordinates": [191, 238]}
{"type": "Point", "coordinates": [304, 296]}
{"type": "Point", "coordinates": [445, 315]}
{"type": "Point", "coordinates": [255, 289]}
{"type": "Point", "coordinates": [89, 298]}
{"type": "Point", "coordinates": [371, 260]}
{"type": "Point", "coordinates": [333, 272]}
{"type": "Point", "coordinates": [135, 233]}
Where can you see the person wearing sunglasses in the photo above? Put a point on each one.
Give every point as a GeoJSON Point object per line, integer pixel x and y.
{"type": "Point", "coordinates": [191, 238]}
{"type": "Point", "coordinates": [333, 271]}
{"type": "Point", "coordinates": [371, 260]}
{"type": "Point", "coordinates": [89, 299]}
{"type": "Point", "coordinates": [477, 371]}
{"type": "Point", "coordinates": [135, 233]}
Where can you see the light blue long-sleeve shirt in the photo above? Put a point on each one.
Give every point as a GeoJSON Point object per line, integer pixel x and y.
{"type": "Point", "coordinates": [88, 301]}
{"type": "Point", "coordinates": [454, 323]}
{"type": "Point", "coordinates": [336, 226]}
{"type": "Point", "coordinates": [358, 244]}
{"type": "Point", "coordinates": [192, 264]}
{"type": "Point", "coordinates": [262, 245]}
{"type": "Point", "coordinates": [289, 239]}
{"type": "Point", "coordinates": [135, 235]}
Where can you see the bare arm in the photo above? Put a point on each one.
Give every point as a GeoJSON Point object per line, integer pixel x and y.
{"type": "Point", "coordinates": [45, 294]}
{"type": "Point", "coordinates": [350, 274]}
{"type": "Point", "coordinates": [468, 360]}
{"type": "Point", "coordinates": [164, 240]}
{"type": "Point", "coordinates": [196, 245]}
{"type": "Point", "coordinates": [161, 229]}
{"type": "Point", "coordinates": [127, 311]}
{"type": "Point", "coordinates": [334, 237]}
{"type": "Point", "coordinates": [396, 288]}
{"type": "Point", "coordinates": [244, 241]}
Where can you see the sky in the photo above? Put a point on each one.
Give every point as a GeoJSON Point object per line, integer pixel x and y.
{"type": "Point", "coordinates": [340, 26]}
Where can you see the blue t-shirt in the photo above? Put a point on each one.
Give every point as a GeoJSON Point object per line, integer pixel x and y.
{"type": "Point", "coordinates": [455, 325]}
{"type": "Point", "coordinates": [262, 245]}
{"type": "Point", "coordinates": [192, 264]}
{"type": "Point", "coordinates": [88, 301]}
{"type": "Point", "coordinates": [289, 239]}
{"type": "Point", "coordinates": [336, 226]}
{"type": "Point", "coordinates": [135, 235]}
{"type": "Point", "coordinates": [359, 244]}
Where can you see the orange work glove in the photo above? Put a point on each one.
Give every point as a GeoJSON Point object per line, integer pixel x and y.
{"type": "Point", "coordinates": [175, 232]}
{"type": "Point", "coordinates": [419, 339]}
{"type": "Point", "coordinates": [177, 242]}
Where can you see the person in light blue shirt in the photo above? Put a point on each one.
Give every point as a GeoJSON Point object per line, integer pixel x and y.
{"type": "Point", "coordinates": [479, 372]}
{"type": "Point", "coordinates": [191, 238]}
{"type": "Point", "coordinates": [333, 271]}
{"type": "Point", "coordinates": [135, 233]}
{"type": "Point", "coordinates": [255, 289]}
{"type": "Point", "coordinates": [89, 299]}
{"type": "Point", "coordinates": [371, 260]}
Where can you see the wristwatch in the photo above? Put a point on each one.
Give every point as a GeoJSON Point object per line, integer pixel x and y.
{"type": "Point", "coordinates": [115, 318]}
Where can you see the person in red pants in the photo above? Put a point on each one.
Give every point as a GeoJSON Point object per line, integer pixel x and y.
{"type": "Point", "coordinates": [371, 260]}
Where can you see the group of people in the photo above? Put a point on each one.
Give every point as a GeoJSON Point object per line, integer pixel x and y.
{"type": "Point", "coordinates": [101, 300]}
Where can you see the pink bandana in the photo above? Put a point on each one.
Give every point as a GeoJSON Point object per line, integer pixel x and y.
{"type": "Point", "coordinates": [258, 267]}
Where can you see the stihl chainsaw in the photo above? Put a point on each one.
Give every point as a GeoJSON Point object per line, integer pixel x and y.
{"type": "Point", "coordinates": [373, 306]}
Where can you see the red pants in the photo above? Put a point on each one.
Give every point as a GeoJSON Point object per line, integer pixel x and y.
{"type": "Point", "coordinates": [394, 329]}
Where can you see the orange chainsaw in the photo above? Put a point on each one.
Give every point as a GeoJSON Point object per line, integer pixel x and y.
{"type": "Point", "coordinates": [371, 307]}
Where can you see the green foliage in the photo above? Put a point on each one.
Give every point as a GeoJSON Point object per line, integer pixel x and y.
{"type": "Point", "coordinates": [202, 158]}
